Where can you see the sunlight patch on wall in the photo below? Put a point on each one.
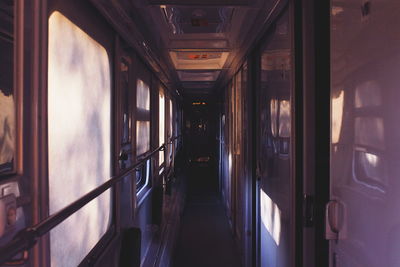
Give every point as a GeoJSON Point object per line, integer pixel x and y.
{"type": "Point", "coordinates": [271, 217]}
{"type": "Point", "coordinates": [337, 116]}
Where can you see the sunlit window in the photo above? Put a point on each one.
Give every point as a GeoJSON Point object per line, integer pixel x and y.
{"type": "Point", "coordinates": [161, 126]}
{"type": "Point", "coordinates": [142, 136]}
{"type": "Point", "coordinates": [143, 95]}
{"type": "Point", "coordinates": [284, 118]}
{"type": "Point", "coordinates": [170, 130]}
{"type": "Point", "coordinates": [274, 116]}
{"type": "Point", "coordinates": [7, 93]}
{"type": "Point", "coordinates": [79, 116]}
{"type": "Point", "coordinates": [143, 118]}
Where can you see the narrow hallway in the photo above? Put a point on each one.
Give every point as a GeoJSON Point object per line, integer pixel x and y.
{"type": "Point", "coordinates": [205, 238]}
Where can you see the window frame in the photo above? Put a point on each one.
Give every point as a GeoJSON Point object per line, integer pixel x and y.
{"type": "Point", "coordinates": [162, 92]}
{"type": "Point", "coordinates": [143, 74]}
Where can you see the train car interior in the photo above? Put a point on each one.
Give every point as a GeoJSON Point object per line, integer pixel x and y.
{"type": "Point", "coordinates": [199, 133]}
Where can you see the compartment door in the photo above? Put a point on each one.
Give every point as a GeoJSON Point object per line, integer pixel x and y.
{"type": "Point", "coordinates": [362, 218]}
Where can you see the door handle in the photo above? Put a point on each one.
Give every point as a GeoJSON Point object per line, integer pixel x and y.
{"type": "Point", "coordinates": [332, 220]}
{"type": "Point", "coordinates": [123, 155]}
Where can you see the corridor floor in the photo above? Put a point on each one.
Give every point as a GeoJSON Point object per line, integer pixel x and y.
{"type": "Point", "coordinates": [205, 239]}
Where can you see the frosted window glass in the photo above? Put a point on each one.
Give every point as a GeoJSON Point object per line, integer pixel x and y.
{"type": "Point", "coordinates": [142, 137]}
{"type": "Point", "coordinates": [7, 94]}
{"type": "Point", "coordinates": [143, 95]}
{"type": "Point", "coordinates": [170, 118]}
{"type": "Point", "coordinates": [79, 115]}
{"type": "Point", "coordinates": [7, 131]}
{"type": "Point", "coordinates": [284, 118]}
{"type": "Point", "coordinates": [274, 116]}
{"type": "Point", "coordinates": [161, 126]}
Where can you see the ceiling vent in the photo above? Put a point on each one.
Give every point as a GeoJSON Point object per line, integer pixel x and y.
{"type": "Point", "coordinates": [200, 60]}
{"type": "Point", "coordinates": [188, 20]}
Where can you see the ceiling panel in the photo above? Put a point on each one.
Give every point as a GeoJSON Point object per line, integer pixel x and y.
{"type": "Point", "coordinates": [198, 85]}
{"type": "Point", "coordinates": [192, 76]}
{"type": "Point", "coordinates": [197, 44]}
{"type": "Point", "coordinates": [198, 60]}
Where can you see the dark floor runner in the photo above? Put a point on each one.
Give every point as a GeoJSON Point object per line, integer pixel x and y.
{"type": "Point", "coordinates": [205, 239]}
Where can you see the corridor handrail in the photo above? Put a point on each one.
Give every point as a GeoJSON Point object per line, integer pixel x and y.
{"type": "Point", "coordinates": [172, 139]}
{"type": "Point", "coordinates": [27, 237]}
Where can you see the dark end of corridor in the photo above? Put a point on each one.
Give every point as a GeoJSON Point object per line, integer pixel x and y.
{"type": "Point", "coordinates": [205, 238]}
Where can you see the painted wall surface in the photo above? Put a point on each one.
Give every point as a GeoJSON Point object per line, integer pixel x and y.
{"type": "Point", "coordinates": [365, 131]}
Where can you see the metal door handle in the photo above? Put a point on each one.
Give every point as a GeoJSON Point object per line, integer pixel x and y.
{"type": "Point", "coordinates": [332, 220]}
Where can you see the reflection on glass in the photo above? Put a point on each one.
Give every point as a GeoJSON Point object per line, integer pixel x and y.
{"type": "Point", "coordinates": [275, 132]}
{"type": "Point", "coordinates": [161, 124]}
{"type": "Point", "coordinates": [370, 169]}
{"type": "Point", "coordinates": [79, 115]}
{"type": "Point", "coordinates": [142, 137]}
{"type": "Point", "coordinates": [274, 116]}
{"type": "Point", "coordinates": [284, 118]}
{"type": "Point", "coordinates": [369, 131]}
{"type": "Point", "coordinates": [7, 94]}
{"type": "Point", "coordinates": [337, 116]}
{"type": "Point", "coordinates": [368, 94]}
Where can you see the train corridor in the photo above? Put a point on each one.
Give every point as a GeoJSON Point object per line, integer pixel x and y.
{"type": "Point", "coordinates": [205, 238]}
{"type": "Point", "coordinates": [191, 133]}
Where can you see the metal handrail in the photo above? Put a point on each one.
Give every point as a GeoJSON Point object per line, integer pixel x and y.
{"type": "Point", "coordinates": [28, 237]}
{"type": "Point", "coordinates": [172, 139]}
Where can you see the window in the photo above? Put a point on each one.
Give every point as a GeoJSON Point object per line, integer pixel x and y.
{"type": "Point", "coordinates": [170, 133]}
{"type": "Point", "coordinates": [161, 126]}
{"type": "Point", "coordinates": [143, 118]}
{"type": "Point", "coordinates": [274, 116]}
{"type": "Point", "coordinates": [79, 132]}
{"type": "Point", "coordinates": [8, 123]}
{"type": "Point", "coordinates": [126, 119]}
{"type": "Point", "coordinates": [142, 132]}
